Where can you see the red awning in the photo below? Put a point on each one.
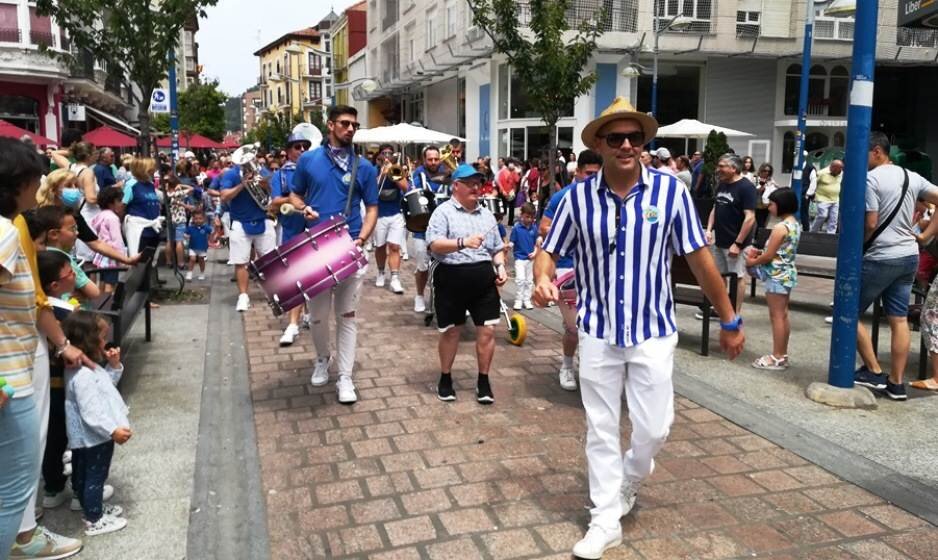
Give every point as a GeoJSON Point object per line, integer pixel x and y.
{"type": "Point", "coordinates": [107, 136]}
{"type": "Point", "coordinates": [10, 130]}
{"type": "Point", "coordinates": [190, 142]}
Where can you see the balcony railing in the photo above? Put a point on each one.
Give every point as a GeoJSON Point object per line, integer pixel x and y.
{"type": "Point", "coordinates": [113, 84]}
{"type": "Point", "coordinates": [620, 15]}
{"type": "Point", "coordinates": [908, 37]}
{"type": "Point", "coordinates": [10, 35]}
{"type": "Point", "coordinates": [42, 38]}
{"type": "Point", "coordinates": [83, 66]}
{"type": "Point", "coordinates": [701, 13]}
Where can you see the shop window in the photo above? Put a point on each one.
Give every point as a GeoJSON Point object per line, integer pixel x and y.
{"type": "Point", "coordinates": [839, 140]}
{"type": "Point", "coordinates": [837, 96]}
{"type": "Point", "coordinates": [788, 152]}
{"type": "Point", "coordinates": [815, 141]}
{"type": "Point", "coordinates": [792, 83]}
{"type": "Point", "coordinates": [513, 100]}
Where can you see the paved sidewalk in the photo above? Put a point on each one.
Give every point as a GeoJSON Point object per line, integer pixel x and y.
{"type": "Point", "coordinates": [401, 475]}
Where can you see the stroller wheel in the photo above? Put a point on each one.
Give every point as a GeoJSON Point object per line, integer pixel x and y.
{"type": "Point", "coordinates": [517, 329]}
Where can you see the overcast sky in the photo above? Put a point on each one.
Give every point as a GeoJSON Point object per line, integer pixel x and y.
{"type": "Point", "coordinates": [234, 29]}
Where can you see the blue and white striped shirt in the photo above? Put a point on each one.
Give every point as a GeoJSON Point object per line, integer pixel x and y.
{"type": "Point", "coordinates": [623, 271]}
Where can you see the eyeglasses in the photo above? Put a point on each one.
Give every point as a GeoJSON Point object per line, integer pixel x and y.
{"type": "Point", "coordinates": [615, 139]}
{"type": "Point", "coordinates": [73, 229]}
{"type": "Point", "coordinates": [69, 274]}
{"type": "Point", "coordinates": [300, 147]}
{"type": "Point", "coordinates": [345, 123]}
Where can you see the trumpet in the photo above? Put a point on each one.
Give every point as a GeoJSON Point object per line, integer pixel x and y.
{"type": "Point", "coordinates": [394, 170]}
{"type": "Point", "coordinates": [287, 209]}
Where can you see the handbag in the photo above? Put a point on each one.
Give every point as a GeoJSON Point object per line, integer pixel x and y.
{"type": "Point", "coordinates": [882, 227]}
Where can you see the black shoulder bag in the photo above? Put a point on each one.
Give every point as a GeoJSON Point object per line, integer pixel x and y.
{"type": "Point", "coordinates": [882, 227]}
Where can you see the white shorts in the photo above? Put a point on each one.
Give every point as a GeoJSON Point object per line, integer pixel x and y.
{"type": "Point", "coordinates": [199, 254]}
{"type": "Point", "coordinates": [240, 243]}
{"type": "Point", "coordinates": [390, 229]}
{"type": "Point", "coordinates": [420, 255]}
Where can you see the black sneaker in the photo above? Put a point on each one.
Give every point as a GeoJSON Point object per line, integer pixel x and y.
{"type": "Point", "coordinates": [866, 378]}
{"type": "Point", "coordinates": [444, 389]}
{"type": "Point", "coordinates": [896, 391]}
{"type": "Point", "coordinates": [484, 391]}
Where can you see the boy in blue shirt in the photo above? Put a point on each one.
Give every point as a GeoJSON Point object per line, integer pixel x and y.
{"type": "Point", "coordinates": [524, 242]}
{"type": "Point", "coordinates": [198, 233]}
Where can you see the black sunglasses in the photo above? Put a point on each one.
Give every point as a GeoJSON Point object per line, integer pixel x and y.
{"type": "Point", "coordinates": [615, 139]}
{"type": "Point", "coordinates": [347, 123]}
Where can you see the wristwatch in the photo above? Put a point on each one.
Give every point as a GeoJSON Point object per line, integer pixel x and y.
{"type": "Point", "coordinates": [734, 325]}
{"type": "Point", "coordinates": [738, 244]}
{"type": "Point", "coordinates": [61, 349]}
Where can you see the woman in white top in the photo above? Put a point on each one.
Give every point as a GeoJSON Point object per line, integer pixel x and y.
{"type": "Point", "coordinates": [749, 169]}
{"type": "Point", "coordinates": [82, 154]}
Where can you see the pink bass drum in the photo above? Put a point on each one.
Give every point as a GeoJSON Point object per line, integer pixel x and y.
{"type": "Point", "coordinates": [567, 285]}
{"type": "Point", "coordinates": [309, 264]}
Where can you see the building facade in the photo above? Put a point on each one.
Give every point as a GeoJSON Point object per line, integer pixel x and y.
{"type": "Point", "coordinates": [36, 89]}
{"type": "Point", "coordinates": [296, 71]}
{"type": "Point", "coordinates": [349, 37]}
{"type": "Point", "coordinates": [737, 65]}
{"type": "Point", "coordinates": [252, 104]}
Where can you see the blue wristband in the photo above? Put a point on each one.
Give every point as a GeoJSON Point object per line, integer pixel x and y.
{"type": "Point", "coordinates": [733, 325]}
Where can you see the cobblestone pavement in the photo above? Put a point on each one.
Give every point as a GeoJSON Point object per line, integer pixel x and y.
{"type": "Point", "coordinates": [401, 475]}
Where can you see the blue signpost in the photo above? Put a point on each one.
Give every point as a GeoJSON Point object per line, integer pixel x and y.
{"type": "Point", "coordinates": [796, 173]}
{"type": "Point", "coordinates": [852, 203]}
{"type": "Point", "coordinates": [173, 108]}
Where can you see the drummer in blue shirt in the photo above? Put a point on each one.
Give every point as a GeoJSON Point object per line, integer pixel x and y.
{"type": "Point", "coordinates": [289, 225]}
{"type": "Point", "coordinates": [321, 188]}
{"type": "Point", "coordinates": [390, 231]}
{"type": "Point", "coordinates": [427, 177]}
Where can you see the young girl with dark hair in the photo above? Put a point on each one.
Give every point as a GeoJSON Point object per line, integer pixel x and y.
{"type": "Point", "coordinates": [96, 419]}
{"type": "Point", "coordinates": [775, 266]}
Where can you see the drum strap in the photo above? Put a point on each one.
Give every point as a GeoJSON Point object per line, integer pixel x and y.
{"type": "Point", "coordinates": [351, 183]}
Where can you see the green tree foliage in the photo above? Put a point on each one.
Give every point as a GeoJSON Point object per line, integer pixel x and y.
{"type": "Point", "coordinates": [272, 129]}
{"type": "Point", "coordinates": [202, 110]}
{"type": "Point", "coordinates": [716, 146]}
{"type": "Point", "coordinates": [129, 35]}
{"type": "Point", "coordinates": [548, 54]}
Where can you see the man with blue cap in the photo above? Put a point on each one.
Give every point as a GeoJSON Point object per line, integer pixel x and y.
{"type": "Point", "coordinates": [292, 224]}
{"type": "Point", "coordinates": [463, 237]}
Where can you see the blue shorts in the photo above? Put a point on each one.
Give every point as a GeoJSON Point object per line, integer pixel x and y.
{"type": "Point", "coordinates": [775, 287]}
{"type": "Point", "coordinates": [109, 276]}
{"type": "Point", "coordinates": [890, 279]}
{"type": "Point", "coordinates": [180, 232]}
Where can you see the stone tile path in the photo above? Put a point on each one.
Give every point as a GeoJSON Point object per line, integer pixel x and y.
{"type": "Point", "coordinates": [401, 475]}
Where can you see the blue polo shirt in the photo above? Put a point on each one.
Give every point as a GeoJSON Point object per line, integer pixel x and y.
{"type": "Point", "coordinates": [392, 206]}
{"type": "Point", "coordinates": [242, 207]}
{"type": "Point", "coordinates": [435, 188]}
{"type": "Point", "coordinates": [198, 236]}
{"type": "Point", "coordinates": [280, 186]}
{"type": "Point", "coordinates": [324, 187]}
{"type": "Point", "coordinates": [524, 238]}
{"type": "Point", "coordinates": [105, 176]}
{"type": "Point", "coordinates": [565, 261]}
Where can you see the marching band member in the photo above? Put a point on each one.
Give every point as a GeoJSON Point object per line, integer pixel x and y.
{"type": "Point", "coordinates": [625, 224]}
{"type": "Point", "coordinates": [250, 226]}
{"type": "Point", "coordinates": [423, 179]}
{"type": "Point", "coordinates": [290, 225]}
{"type": "Point", "coordinates": [324, 180]}
{"type": "Point", "coordinates": [588, 164]}
{"type": "Point", "coordinates": [463, 237]}
{"type": "Point", "coordinates": [390, 233]}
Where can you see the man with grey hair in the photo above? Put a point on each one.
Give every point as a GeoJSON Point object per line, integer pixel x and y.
{"type": "Point", "coordinates": [103, 171]}
{"type": "Point", "coordinates": [731, 222]}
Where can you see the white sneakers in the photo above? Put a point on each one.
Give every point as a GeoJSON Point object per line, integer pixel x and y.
{"type": "Point", "coordinates": [379, 281]}
{"type": "Point", "coordinates": [107, 524]}
{"type": "Point", "coordinates": [289, 335]}
{"type": "Point", "coordinates": [396, 286]}
{"type": "Point", "coordinates": [528, 305]}
{"type": "Point", "coordinates": [567, 379]}
{"type": "Point", "coordinates": [189, 275]}
{"type": "Point", "coordinates": [597, 541]}
{"type": "Point", "coordinates": [244, 303]}
{"type": "Point", "coordinates": [517, 306]}
{"type": "Point", "coordinates": [105, 496]}
{"type": "Point", "coordinates": [346, 390]}
{"type": "Point", "coordinates": [201, 277]}
{"type": "Point", "coordinates": [420, 305]}
{"type": "Point", "coordinates": [320, 372]}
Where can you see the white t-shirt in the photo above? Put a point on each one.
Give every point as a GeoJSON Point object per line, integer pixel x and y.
{"type": "Point", "coordinates": [883, 190]}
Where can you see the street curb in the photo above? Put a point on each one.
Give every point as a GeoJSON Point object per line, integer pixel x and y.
{"type": "Point", "coordinates": [228, 517]}
{"type": "Point", "coordinates": [894, 487]}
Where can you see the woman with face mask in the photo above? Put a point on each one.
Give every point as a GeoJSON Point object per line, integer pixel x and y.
{"type": "Point", "coordinates": [59, 189]}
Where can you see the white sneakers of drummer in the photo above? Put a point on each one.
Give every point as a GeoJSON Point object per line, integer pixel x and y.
{"type": "Point", "coordinates": [420, 305]}
{"type": "Point", "coordinates": [320, 372]}
{"type": "Point", "coordinates": [597, 541]}
{"type": "Point", "coordinates": [346, 390]}
{"type": "Point", "coordinates": [396, 286]}
{"type": "Point", "coordinates": [289, 335]}
{"type": "Point", "coordinates": [244, 303]}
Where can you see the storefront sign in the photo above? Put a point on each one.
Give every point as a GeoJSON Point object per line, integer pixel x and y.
{"type": "Point", "coordinates": [159, 101]}
{"type": "Point", "coordinates": [76, 112]}
{"type": "Point", "coordinates": [918, 13]}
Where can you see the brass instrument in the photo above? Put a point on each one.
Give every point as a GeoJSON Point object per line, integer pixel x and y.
{"type": "Point", "coordinates": [255, 185]}
{"type": "Point", "coordinates": [448, 159]}
{"type": "Point", "coordinates": [287, 209]}
{"type": "Point", "coordinates": [396, 171]}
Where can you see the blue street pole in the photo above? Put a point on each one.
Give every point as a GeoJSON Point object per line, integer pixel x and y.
{"type": "Point", "coordinates": [852, 204]}
{"type": "Point", "coordinates": [173, 108]}
{"type": "Point", "coordinates": [796, 173]}
{"type": "Point", "coordinates": [654, 75]}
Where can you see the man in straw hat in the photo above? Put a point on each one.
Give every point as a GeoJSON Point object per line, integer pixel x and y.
{"type": "Point", "coordinates": [624, 224]}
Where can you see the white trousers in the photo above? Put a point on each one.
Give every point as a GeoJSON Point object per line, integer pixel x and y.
{"type": "Point", "coordinates": [645, 370]}
{"type": "Point", "coordinates": [524, 279]}
{"type": "Point", "coordinates": [826, 219]}
{"type": "Point", "coordinates": [43, 401]}
{"type": "Point", "coordinates": [344, 300]}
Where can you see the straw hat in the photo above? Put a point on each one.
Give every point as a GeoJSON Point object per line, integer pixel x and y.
{"type": "Point", "coordinates": [620, 109]}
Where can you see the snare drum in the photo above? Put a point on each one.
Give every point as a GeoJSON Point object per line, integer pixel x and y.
{"type": "Point", "coordinates": [309, 264]}
{"type": "Point", "coordinates": [567, 285]}
{"type": "Point", "coordinates": [417, 208]}
{"type": "Point", "coordinates": [495, 205]}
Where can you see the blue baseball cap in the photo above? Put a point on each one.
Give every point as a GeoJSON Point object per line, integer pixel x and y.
{"type": "Point", "coordinates": [466, 171]}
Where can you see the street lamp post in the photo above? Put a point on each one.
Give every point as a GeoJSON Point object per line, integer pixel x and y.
{"type": "Point", "coordinates": [678, 22]}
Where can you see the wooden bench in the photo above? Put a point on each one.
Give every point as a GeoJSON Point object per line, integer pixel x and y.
{"type": "Point", "coordinates": [686, 291]}
{"type": "Point", "coordinates": [129, 298]}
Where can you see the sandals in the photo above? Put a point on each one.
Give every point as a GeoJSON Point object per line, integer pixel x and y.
{"type": "Point", "coordinates": [772, 363]}
{"type": "Point", "coordinates": [925, 384]}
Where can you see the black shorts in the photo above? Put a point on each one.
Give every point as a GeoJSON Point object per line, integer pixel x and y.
{"type": "Point", "coordinates": [458, 288]}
